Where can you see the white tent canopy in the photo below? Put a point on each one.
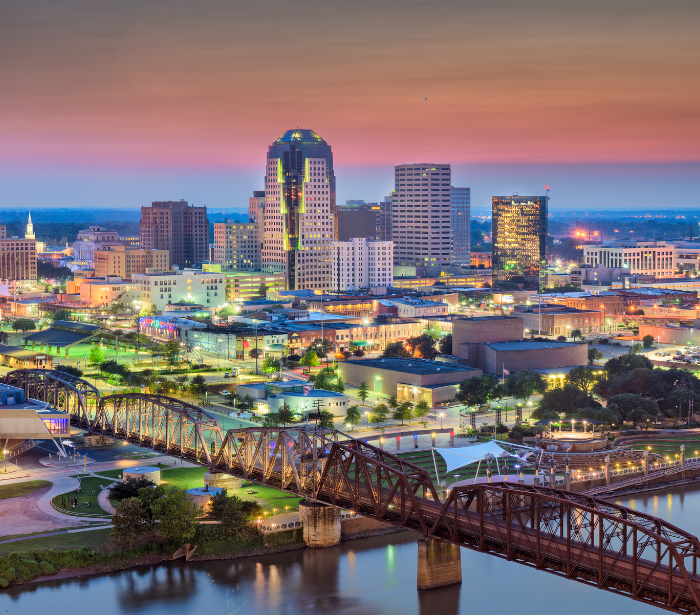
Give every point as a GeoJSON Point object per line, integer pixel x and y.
{"type": "Point", "coordinates": [458, 458]}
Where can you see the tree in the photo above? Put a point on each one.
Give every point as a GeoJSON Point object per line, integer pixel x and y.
{"type": "Point", "coordinates": [358, 352]}
{"type": "Point", "coordinates": [198, 384]}
{"type": "Point", "coordinates": [61, 314]}
{"type": "Point", "coordinates": [636, 348]}
{"type": "Point", "coordinates": [96, 357]}
{"type": "Point", "coordinates": [566, 400]}
{"type": "Point", "coordinates": [149, 495]}
{"type": "Point", "coordinates": [404, 412]}
{"type": "Point", "coordinates": [626, 363]}
{"type": "Point", "coordinates": [523, 385]}
{"type": "Point", "coordinates": [379, 414]}
{"type": "Point", "coordinates": [129, 488]}
{"type": "Point", "coordinates": [285, 414]}
{"type": "Point", "coordinates": [561, 338]}
{"type": "Point", "coordinates": [363, 391]}
{"type": "Point", "coordinates": [423, 346]}
{"type": "Point", "coordinates": [353, 416]}
{"type": "Point", "coordinates": [176, 514]}
{"type": "Point", "coordinates": [310, 359]}
{"type": "Point", "coordinates": [170, 350]}
{"type": "Point", "coordinates": [476, 391]}
{"type": "Point", "coordinates": [396, 350]}
{"type": "Point", "coordinates": [23, 324]}
{"type": "Point", "coordinates": [129, 521]}
{"type": "Point", "coordinates": [326, 420]}
{"type": "Point", "coordinates": [322, 347]}
{"type": "Point", "coordinates": [582, 377]}
{"type": "Point", "coordinates": [271, 419]}
{"type": "Point", "coordinates": [575, 333]}
{"type": "Point", "coordinates": [633, 408]}
{"type": "Point", "coordinates": [648, 341]}
{"type": "Point", "coordinates": [339, 386]}
{"type": "Point", "coordinates": [594, 355]}
{"type": "Point", "coordinates": [182, 381]}
{"type": "Point", "coordinates": [422, 409]}
{"type": "Point", "coordinates": [445, 344]}
{"type": "Point", "coordinates": [233, 512]}
{"type": "Point", "coordinates": [392, 402]}
{"type": "Point", "coordinates": [271, 365]}
{"type": "Point", "coordinates": [69, 369]}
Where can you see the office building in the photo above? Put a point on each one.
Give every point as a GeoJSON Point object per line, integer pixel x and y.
{"type": "Point", "coordinates": [180, 228]}
{"type": "Point", "coordinates": [206, 288]}
{"type": "Point", "coordinates": [358, 219]}
{"type": "Point", "coordinates": [421, 217]}
{"type": "Point", "coordinates": [300, 211]}
{"type": "Point", "coordinates": [460, 208]}
{"type": "Point", "coordinates": [18, 260]}
{"type": "Point", "coordinates": [89, 240]}
{"type": "Point", "coordinates": [256, 212]}
{"type": "Point", "coordinates": [519, 236]}
{"type": "Point", "coordinates": [637, 257]}
{"type": "Point", "coordinates": [362, 263]}
{"type": "Point", "coordinates": [124, 262]}
{"type": "Point", "coordinates": [3, 231]}
{"type": "Point", "coordinates": [237, 245]}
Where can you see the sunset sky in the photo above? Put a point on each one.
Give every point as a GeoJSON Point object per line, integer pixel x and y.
{"type": "Point", "coordinates": [120, 102]}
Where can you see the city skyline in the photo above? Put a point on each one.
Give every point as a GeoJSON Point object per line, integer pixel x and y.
{"type": "Point", "coordinates": [123, 103]}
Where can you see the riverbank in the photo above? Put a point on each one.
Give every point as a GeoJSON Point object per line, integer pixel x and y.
{"type": "Point", "coordinates": [207, 551]}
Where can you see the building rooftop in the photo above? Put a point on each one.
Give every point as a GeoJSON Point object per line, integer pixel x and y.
{"type": "Point", "coordinates": [412, 366]}
{"type": "Point", "coordinates": [300, 135]}
{"type": "Point", "coordinates": [18, 353]}
{"type": "Point", "coordinates": [313, 393]}
{"type": "Point", "coordinates": [529, 345]}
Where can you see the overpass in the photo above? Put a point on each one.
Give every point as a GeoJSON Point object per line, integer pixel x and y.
{"type": "Point", "coordinates": [574, 536]}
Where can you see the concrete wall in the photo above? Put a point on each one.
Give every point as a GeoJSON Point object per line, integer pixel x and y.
{"type": "Point", "coordinates": [670, 335]}
{"type": "Point", "coordinates": [466, 332]}
{"type": "Point", "coordinates": [542, 358]}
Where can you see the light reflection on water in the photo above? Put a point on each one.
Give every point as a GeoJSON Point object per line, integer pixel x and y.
{"type": "Point", "coordinates": [366, 577]}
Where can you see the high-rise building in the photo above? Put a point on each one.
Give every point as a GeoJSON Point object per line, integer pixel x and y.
{"type": "Point", "coordinates": [460, 208]}
{"type": "Point", "coordinates": [180, 228]}
{"type": "Point", "coordinates": [18, 260]}
{"type": "Point", "coordinates": [519, 237]}
{"type": "Point", "coordinates": [256, 211]}
{"type": "Point", "coordinates": [237, 245]}
{"type": "Point", "coordinates": [362, 263]}
{"type": "Point", "coordinates": [3, 231]}
{"type": "Point", "coordinates": [358, 219]}
{"type": "Point", "coordinates": [300, 212]}
{"type": "Point", "coordinates": [421, 217]}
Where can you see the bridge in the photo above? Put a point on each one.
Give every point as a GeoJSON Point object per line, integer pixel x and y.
{"type": "Point", "coordinates": [574, 536]}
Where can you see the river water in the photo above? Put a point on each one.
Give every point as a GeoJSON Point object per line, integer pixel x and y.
{"type": "Point", "coordinates": [363, 577]}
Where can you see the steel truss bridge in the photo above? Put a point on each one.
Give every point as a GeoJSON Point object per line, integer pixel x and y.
{"type": "Point", "coordinates": [574, 536]}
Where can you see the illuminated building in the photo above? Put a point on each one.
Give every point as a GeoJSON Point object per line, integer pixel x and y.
{"type": "Point", "coordinates": [256, 212]}
{"type": "Point", "coordinates": [180, 228]}
{"type": "Point", "coordinates": [237, 245]}
{"type": "Point", "coordinates": [300, 221]}
{"type": "Point", "coordinates": [460, 208]}
{"type": "Point", "coordinates": [124, 262]}
{"type": "Point", "coordinates": [18, 260]}
{"type": "Point", "coordinates": [519, 235]}
{"type": "Point", "coordinates": [361, 263]}
{"type": "Point", "coordinates": [29, 234]}
{"type": "Point", "coordinates": [645, 257]}
{"type": "Point", "coordinates": [206, 288]}
{"type": "Point", "coordinates": [421, 217]}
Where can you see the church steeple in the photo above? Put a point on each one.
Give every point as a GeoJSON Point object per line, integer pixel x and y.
{"type": "Point", "coordinates": [30, 228]}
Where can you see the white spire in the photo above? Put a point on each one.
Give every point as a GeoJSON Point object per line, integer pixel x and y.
{"type": "Point", "coordinates": [30, 228]}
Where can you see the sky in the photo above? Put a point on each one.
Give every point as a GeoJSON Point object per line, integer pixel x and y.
{"type": "Point", "coordinates": [115, 103]}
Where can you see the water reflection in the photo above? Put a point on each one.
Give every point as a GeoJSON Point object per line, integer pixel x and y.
{"type": "Point", "coordinates": [372, 576]}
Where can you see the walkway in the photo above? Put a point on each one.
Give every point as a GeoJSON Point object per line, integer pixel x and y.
{"type": "Point", "coordinates": [82, 529]}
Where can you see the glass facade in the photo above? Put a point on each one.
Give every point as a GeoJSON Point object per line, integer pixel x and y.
{"type": "Point", "coordinates": [461, 225]}
{"type": "Point", "coordinates": [519, 236]}
{"type": "Point", "coordinates": [57, 426]}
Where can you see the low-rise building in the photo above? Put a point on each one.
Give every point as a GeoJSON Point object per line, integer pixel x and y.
{"type": "Point", "coordinates": [111, 289]}
{"type": "Point", "coordinates": [362, 263]}
{"type": "Point", "coordinates": [23, 358]}
{"type": "Point", "coordinates": [420, 308]}
{"type": "Point", "coordinates": [503, 358]}
{"type": "Point", "coordinates": [301, 396]}
{"type": "Point", "coordinates": [553, 319]}
{"type": "Point", "coordinates": [409, 379]}
{"type": "Point", "coordinates": [115, 260]}
{"type": "Point", "coordinates": [189, 286]}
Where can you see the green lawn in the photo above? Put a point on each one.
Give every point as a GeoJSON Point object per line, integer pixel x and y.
{"type": "Point", "coordinates": [90, 489]}
{"type": "Point", "coordinates": [424, 459]}
{"type": "Point", "coordinates": [97, 539]}
{"type": "Point", "coordinates": [267, 497]}
{"type": "Point", "coordinates": [19, 489]}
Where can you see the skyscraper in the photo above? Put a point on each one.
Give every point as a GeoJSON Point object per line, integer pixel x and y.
{"type": "Point", "coordinates": [421, 217]}
{"type": "Point", "coordinates": [300, 219]}
{"type": "Point", "coordinates": [519, 235]}
{"type": "Point", "coordinates": [180, 228]}
{"type": "Point", "coordinates": [460, 208]}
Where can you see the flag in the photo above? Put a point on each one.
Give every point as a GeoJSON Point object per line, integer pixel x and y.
{"type": "Point", "coordinates": [506, 372]}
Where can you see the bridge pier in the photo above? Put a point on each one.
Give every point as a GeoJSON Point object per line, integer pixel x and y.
{"type": "Point", "coordinates": [321, 524]}
{"type": "Point", "coordinates": [439, 563]}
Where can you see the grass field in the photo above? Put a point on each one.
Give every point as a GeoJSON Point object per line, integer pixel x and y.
{"type": "Point", "coordinates": [90, 489]}
{"type": "Point", "coordinates": [670, 450]}
{"type": "Point", "coordinates": [20, 489]}
{"type": "Point", "coordinates": [97, 539]}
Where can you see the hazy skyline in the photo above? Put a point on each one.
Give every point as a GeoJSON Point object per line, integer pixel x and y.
{"type": "Point", "coordinates": [106, 102]}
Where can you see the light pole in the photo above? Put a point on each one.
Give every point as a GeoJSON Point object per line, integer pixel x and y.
{"type": "Point", "coordinates": [442, 416]}
{"type": "Point", "coordinates": [4, 454]}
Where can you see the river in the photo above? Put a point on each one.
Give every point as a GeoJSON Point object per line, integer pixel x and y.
{"type": "Point", "coordinates": [364, 577]}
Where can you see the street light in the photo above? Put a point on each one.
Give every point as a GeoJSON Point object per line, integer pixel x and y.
{"type": "Point", "coordinates": [442, 416]}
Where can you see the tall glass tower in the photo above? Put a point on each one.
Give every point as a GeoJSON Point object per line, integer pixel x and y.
{"type": "Point", "coordinates": [461, 225]}
{"type": "Point", "coordinates": [301, 219]}
{"type": "Point", "coordinates": [519, 236]}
